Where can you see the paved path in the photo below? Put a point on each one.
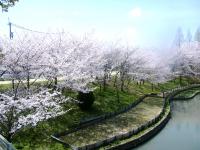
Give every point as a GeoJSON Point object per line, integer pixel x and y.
{"type": "Point", "coordinates": [122, 123]}
{"type": "Point", "coordinates": [31, 80]}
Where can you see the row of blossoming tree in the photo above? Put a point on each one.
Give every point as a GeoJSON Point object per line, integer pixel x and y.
{"type": "Point", "coordinates": [65, 61]}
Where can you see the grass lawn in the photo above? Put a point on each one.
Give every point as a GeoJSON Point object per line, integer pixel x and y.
{"type": "Point", "coordinates": [188, 93]}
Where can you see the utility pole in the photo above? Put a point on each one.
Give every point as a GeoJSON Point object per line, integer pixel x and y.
{"type": "Point", "coordinates": [11, 37]}
{"type": "Point", "coordinates": [10, 30]}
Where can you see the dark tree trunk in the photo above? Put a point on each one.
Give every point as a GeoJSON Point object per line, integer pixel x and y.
{"type": "Point", "coordinates": [152, 87]}
{"type": "Point", "coordinates": [128, 83]}
{"type": "Point", "coordinates": [105, 76]}
{"type": "Point", "coordinates": [9, 137]}
{"type": "Point", "coordinates": [122, 85]}
{"type": "Point", "coordinates": [28, 82]}
{"type": "Point", "coordinates": [180, 80]}
{"type": "Point", "coordinates": [117, 93]}
{"type": "Point", "coordinates": [10, 122]}
{"type": "Point", "coordinates": [158, 85]}
{"type": "Point", "coordinates": [100, 88]}
{"type": "Point", "coordinates": [122, 82]}
{"type": "Point", "coordinates": [142, 81]}
{"type": "Point", "coordinates": [16, 90]}
{"type": "Point", "coordinates": [55, 83]}
{"type": "Point", "coordinates": [13, 84]}
{"type": "Point", "coordinates": [163, 94]}
{"type": "Point", "coordinates": [115, 81]}
{"type": "Point", "coordinates": [104, 82]}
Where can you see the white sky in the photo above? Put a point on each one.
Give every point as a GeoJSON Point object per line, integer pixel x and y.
{"type": "Point", "coordinates": [144, 23]}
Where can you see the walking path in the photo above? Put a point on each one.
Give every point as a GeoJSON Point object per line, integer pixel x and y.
{"type": "Point", "coordinates": [123, 123]}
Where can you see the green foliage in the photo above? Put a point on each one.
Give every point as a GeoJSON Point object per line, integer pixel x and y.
{"type": "Point", "coordinates": [5, 4]}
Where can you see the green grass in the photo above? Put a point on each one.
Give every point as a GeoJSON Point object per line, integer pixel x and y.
{"type": "Point", "coordinates": [188, 93]}
{"type": "Point", "coordinates": [106, 101]}
{"type": "Point", "coordinates": [4, 87]}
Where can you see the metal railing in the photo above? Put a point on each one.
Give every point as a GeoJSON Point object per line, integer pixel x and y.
{"type": "Point", "coordinates": [5, 145]}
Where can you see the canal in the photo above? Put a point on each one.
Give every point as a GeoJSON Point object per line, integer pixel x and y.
{"type": "Point", "coordinates": [182, 131]}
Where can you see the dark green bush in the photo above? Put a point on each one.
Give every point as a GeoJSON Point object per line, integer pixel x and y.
{"type": "Point", "coordinates": [86, 100]}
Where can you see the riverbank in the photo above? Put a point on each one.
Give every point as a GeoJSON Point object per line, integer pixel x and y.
{"type": "Point", "coordinates": [116, 127]}
{"type": "Point", "coordinates": [182, 132]}
{"type": "Point", "coordinates": [106, 102]}
{"type": "Point", "coordinates": [141, 137]}
{"type": "Point", "coordinates": [145, 135]}
{"type": "Point", "coordinates": [187, 95]}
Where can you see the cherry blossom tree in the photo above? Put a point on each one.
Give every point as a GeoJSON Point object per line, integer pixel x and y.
{"type": "Point", "coordinates": [21, 60]}
{"type": "Point", "coordinates": [55, 58]}
{"type": "Point", "coordinates": [26, 105]}
{"type": "Point", "coordinates": [29, 110]}
{"type": "Point", "coordinates": [185, 61]}
{"type": "Point", "coordinates": [82, 64]}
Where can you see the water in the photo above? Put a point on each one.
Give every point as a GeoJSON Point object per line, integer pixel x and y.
{"type": "Point", "coordinates": [182, 132]}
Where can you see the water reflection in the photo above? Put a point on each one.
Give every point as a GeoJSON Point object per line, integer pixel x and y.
{"type": "Point", "coordinates": [183, 130]}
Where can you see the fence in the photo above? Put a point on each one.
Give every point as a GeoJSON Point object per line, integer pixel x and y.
{"type": "Point", "coordinates": [5, 145]}
{"type": "Point", "coordinates": [101, 118]}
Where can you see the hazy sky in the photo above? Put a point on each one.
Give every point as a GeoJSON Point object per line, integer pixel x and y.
{"type": "Point", "coordinates": [147, 23]}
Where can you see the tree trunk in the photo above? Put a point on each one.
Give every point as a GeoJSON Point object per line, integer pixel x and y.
{"type": "Point", "coordinates": [117, 92]}
{"type": "Point", "coordinates": [142, 81]}
{"type": "Point", "coordinates": [122, 82]}
{"type": "Point", "coordinates": [55, 83]}
{"type": "Point", "coordinates": [16, 90]}
{"type": "Point", "coordinates": [128, 83]}
{"type": "Point", "coordinates": [115, 81]}
{"type": "Point", "coordinates": [13, 84]}
{"type": "Point", "coordinates": [116, 88]}
{"type": "Point", "coordinates": [9, 137]}
{"type": "Point", "coordinates": [180, 79]}
{"type": "Point", "coordinates": [152, 87]}
{"type": "Point", "coordinates": [28, 81]}
{"type": "Point", "coordinates": [163, 94]}
{"type": "Point", "coordinates": [100, 86]}
{"type": "Point", "coordinates": [158, 85]}
{"type": "Point", "coordinates": [104, 82]}
{"type": "Point", "coordinates": [10, 122]}
{"type": "Point", "coordinates": [122, 85]}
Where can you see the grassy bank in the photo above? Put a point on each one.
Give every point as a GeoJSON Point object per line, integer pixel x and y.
{"type": "Point", "coordinates": [139, 135]}
{"type": "Point", "coordinates": [106, 101]}
{"type": "Point", "coordinates": [187, 94]}
{"type": "Point", "coordinates": [143, 112]}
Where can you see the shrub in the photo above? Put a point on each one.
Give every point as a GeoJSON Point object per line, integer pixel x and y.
{"type": "Point", "coordinates": [86, 100]}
